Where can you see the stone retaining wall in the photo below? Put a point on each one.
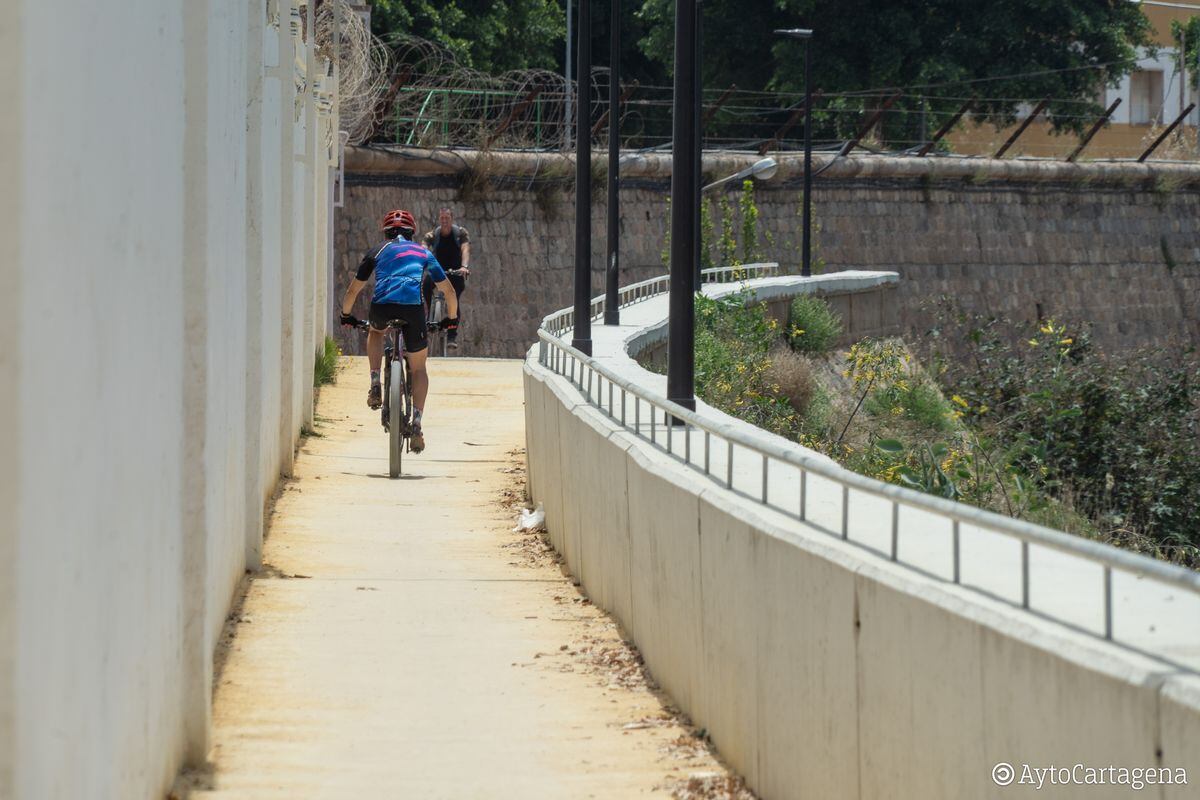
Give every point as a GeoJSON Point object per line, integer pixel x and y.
{"type": "Point", "coordinates": [1117, 245]}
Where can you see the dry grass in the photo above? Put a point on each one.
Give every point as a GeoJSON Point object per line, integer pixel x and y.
{"type": "Point", "coordinates": [794, 376]}
{"type": "Point", "coordinates": [711, 786]}
{"type": "Point", "coordinates": [1179, 146]}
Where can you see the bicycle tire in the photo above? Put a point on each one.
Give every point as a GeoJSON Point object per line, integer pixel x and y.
{"type": "Point", "coordinates": [396, 418]}
{"type": "Point", "coordinates": [439, 311]}
{"type": "Point", "coordinates": [408, 401]}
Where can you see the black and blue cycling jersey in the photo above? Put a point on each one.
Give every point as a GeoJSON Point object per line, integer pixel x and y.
{"type": "Point", "coordinates": [399, 266]}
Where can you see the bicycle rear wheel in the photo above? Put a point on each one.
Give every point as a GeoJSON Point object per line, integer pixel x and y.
{"type": "Point", "coordinates": [396, 396]}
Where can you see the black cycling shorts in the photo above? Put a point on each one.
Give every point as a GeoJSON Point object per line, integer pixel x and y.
{"type": "Point", "coordinates": [416, 338]}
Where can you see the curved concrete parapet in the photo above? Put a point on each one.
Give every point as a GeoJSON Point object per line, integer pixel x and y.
{"type": "Point", "coordinates": [842, 638]}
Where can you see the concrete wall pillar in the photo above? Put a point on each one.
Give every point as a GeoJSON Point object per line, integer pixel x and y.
{"type": "Point", "coordinates": [309, 213]}
{"type": "Point", "coordinates": [254, 479]}
{"type": "Point", "coordinates": [322, 197]}
{"type": "Point", "coordinates": [225, 459]}
{"type": "Point", "coordinates": [271, 462]}
{"type": "Point", "coordinates": [196, 654]}
{"type": "Point", "coordinates": [287, 225]}
{"type": "Point", "coordinates": [321, 247]}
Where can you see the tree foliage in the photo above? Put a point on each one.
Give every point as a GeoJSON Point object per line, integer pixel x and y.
{"type": "Point", "coordinates": [945, 45]}
{"type": "Point", "coordinates": [490, 36]}
{"type": "Point", "coordinates": [1189, 32]}
{"type": "Point", "coordinates": [939, 51]}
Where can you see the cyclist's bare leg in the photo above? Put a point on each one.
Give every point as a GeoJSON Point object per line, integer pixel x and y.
{"type": "Point", "coordinates": [375, 341]}
{"type": "Point", "coordinates": [419, 377]}
{"type": "Point", "coordinates": [420, 389]}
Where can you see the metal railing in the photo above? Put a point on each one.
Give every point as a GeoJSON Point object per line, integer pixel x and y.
{"type": "Point", "coordinates": [564, 320]}
{"type": "Point", "coordinates": [701, 444]}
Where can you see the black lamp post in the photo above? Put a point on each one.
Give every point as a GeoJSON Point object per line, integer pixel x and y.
{"type": "Point", "coordinates": [612, 274]}
{"type": "Point", "coordinates": [806, 247]}
{"type": "Point", "coordinates": [582, 336]}
{"type": "Point", "coordinates": [681, 367]}
{"type": "Point", "coordinates": [697, 166]}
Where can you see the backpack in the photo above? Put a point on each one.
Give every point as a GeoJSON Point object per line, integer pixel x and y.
{"type": "Point", "coordinates": [454, 231]}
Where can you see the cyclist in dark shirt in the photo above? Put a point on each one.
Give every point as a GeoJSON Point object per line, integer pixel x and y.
{"type": "Point", "coordinates": [451, 245]}
{"type": "Point", "coordinates": [399, 265]}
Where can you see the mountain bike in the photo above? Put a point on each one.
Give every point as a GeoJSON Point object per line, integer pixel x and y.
{"type": "Point", "coordinates": [396, 413]}
{"type": "Point", "coordinates": [438, 310]}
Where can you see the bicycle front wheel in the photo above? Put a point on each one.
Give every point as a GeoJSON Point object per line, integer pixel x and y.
{"type": "Point", "coordinates": [395, 418]}
{"type": "Point", "coordinates": [439, 311]}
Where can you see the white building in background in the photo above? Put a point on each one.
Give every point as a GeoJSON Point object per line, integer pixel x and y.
{"type": "Point", "coordinates": [1156, 93]}
{"type": "Point", "coordinates": [1152, 97]}
{"type": "Point", "coordinates": [166, 169]}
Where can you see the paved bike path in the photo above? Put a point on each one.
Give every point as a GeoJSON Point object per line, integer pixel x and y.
{"type": "Point", "coordinates": [403, 642]}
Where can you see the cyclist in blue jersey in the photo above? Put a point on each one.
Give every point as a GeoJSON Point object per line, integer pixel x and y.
{"type": "Point", "coordinates": [399, 265]}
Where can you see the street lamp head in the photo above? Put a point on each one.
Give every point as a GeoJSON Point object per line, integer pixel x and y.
{"type": "Point", "coordinates": [764, 169]}
{"type": "Point", "coordinates": [795, 33]}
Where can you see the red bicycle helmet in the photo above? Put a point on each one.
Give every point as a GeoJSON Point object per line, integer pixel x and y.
{"type": "Point", "coordinates": [398, 219]}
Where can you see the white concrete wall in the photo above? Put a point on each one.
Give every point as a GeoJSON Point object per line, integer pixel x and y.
{"type": "Point", "coordinates": [820, 669]}
{"type": "Point", "coordinates": [11, 138]}
{"type": "Point", "coordinates": [145, 415]}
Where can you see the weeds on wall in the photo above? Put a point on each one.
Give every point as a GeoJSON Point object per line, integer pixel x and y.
{"type": "Point", "coordinates": [325, 370]}
{"type": "Point", "coordinates": [476, 178]}
{"type": "Point", "coordinates": [1168, 258]}
{"type": "Point", "coordinates": [731, 233]}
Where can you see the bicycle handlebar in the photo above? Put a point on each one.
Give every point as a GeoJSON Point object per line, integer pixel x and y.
{"type": "Point", "coordinates": [364, 325]}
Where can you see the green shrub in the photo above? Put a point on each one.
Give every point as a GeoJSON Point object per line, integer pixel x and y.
{"type": "Point", "coordinates": [1116, 437]}
{"type": "Point", "coordinates": [915, 401]}
{"type": "Point", "coordinates": [817, 419]}
{"type": "Point", "coordinates": [733, 344]}
{"type": "Point", "coordinates": [325, 370]}
{"type": "Point", "coordinates": [814, 325]}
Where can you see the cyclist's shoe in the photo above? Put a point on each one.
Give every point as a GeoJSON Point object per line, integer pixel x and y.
{"type": "Point", "coordinates": [416, 439]}
{"type": "Point", "coordinates": [452, 339]}
{"type": "Point", "coordinates": [375, 396]}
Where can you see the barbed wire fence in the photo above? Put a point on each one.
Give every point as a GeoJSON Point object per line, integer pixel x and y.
{"type": "Point", "coordinates": [412, 92]}
{"type": "Point", "coordinates": [364, 66]}
{"type": "Point", "coordinates": [436, 101]}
